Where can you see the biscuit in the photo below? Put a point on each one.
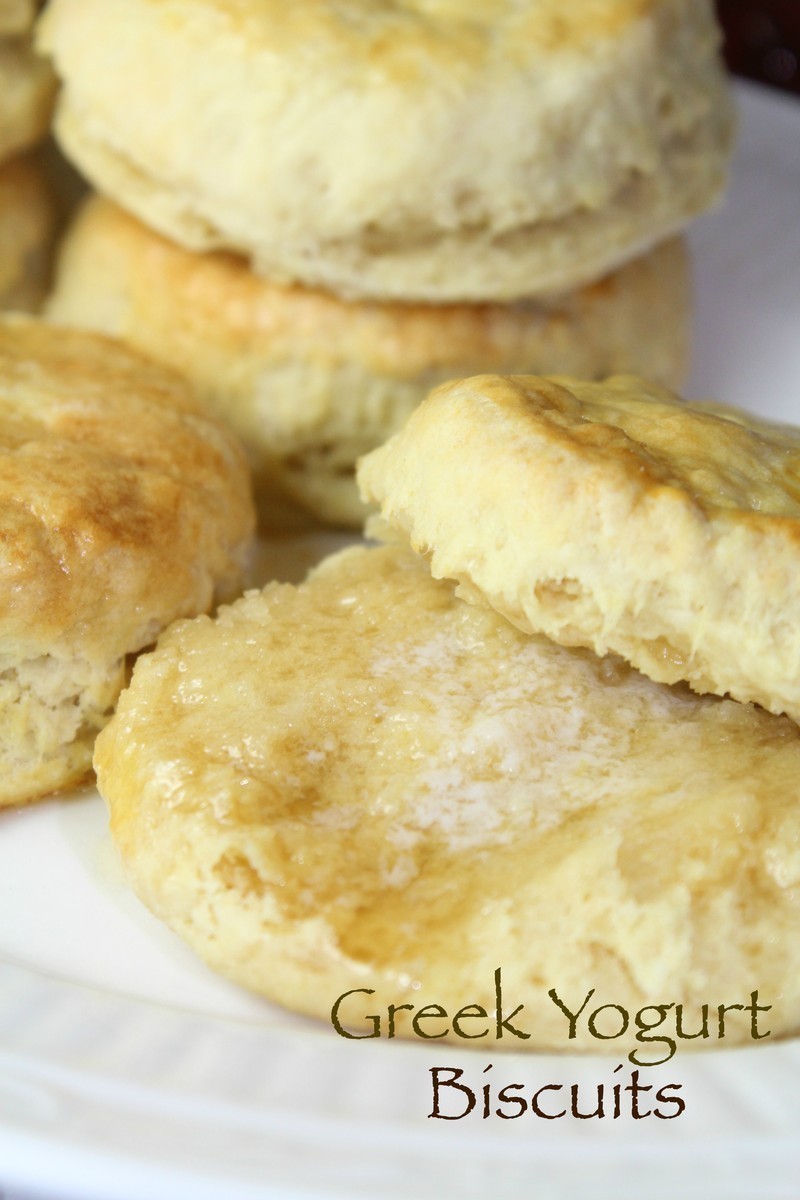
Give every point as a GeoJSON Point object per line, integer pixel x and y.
{"type": "Point", "coordinates": [27, 88]}
{"type": "Point", "coordinates": [615, 516]}
{"type": "Point", "coordinates": [364, 782]}
{"type": "Point", "coordinates": [122, 507]}
{"type": "Point", "coordinates": [27, 226]}
{"type": "Point", "coordinates": [423, 151]}
{"type": "Point", "coordinates": [310, 382]}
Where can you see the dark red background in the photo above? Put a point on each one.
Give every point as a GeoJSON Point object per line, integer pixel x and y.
{"type": "Point", "coordinates": [762, 40]}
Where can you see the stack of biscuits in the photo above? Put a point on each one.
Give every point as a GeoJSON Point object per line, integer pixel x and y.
{"type": "Point", "coordinates": [437, 756]}
{"type": "Point", "coordinates": [550, 721]}
{"type": "Point", "coordinates": [318, 211]}
{"type": "Point", "coordinates": [27, 88]}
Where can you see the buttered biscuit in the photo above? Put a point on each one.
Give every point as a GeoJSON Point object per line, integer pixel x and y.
{"type": "Point", "coordinates": [27, 88]}
{"type": "Point", "coordinates": [419, 150]}
{"type": "Point", "coordinates": [611, 515]}
{"type": "Point", "coordinates": [364, 782]}
{"type": "Point", "coordinates": [122, 507]}
{"type": "Point", "coordinates": [309, 381]}
{"type": "Point", "coordinates": [27, 221]}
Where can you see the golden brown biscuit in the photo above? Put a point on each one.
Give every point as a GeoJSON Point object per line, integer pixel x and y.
{"type": "Point", "coordinates": [27, 88]}
{"type": "Point", "coordinates": [364, 782]}
{"type": "Point", "coordinates": [310, 382]}
{"type": "Point", "coordinates": [122, 507]}
{"type": "Point", "coordinates": [611, 515]}
{"type": "Point", "coordinates": [27, 225]}
{"type": "Point", "coordinates": [419, 150]}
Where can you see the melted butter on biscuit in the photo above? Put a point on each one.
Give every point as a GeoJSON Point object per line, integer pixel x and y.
{"type": "Point", "coordinates": [363, 781]}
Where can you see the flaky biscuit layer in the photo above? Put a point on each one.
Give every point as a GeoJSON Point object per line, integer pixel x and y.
{"type": "Point", "coordinates": [611, 515]}
{"type": "Point", "coordinates": [309, 381]}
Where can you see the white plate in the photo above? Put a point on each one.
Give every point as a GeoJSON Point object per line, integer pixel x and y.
{"type": "Point", "coordinates": [129, 1071]}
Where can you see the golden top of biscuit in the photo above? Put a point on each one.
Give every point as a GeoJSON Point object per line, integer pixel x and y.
{"type": "Point", "coordinates": [642, 436]}
{"type": "Point", "coordinates": [408, 39]}
{"type": "Point", "coordinates": [364, 782]}
{"type": "Point", "coordinates": [477, 199]}
{"type": "Point", "coordinates": [122, 506]}
{"type": "Point", "coordinates": [615, 516]}
{"type": "Point", "coordinates": [221, 324]}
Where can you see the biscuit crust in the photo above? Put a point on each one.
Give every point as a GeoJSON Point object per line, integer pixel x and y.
{"type": "Point", "coordinates": [122, 507]}
{"type": "Point", "coordinates": [309, 381]}
{"type": "Point", "coordinates": [611, 515]}
{"type": "Point", "coordinates": [365, 782]}
{"type": "Point", "coordinates": [535, 146]}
